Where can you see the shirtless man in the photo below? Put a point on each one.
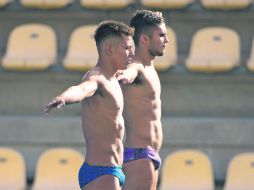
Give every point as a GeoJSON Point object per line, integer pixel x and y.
{"type": "Point", "coordinates": [142, 103]}
{"type": "Point", "coordinates": [102, 104]}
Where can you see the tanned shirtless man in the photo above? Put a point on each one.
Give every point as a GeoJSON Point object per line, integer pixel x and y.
{"type": "Point", "coordinates": [142, 102]}
{"type": "Point", "coordinates": [102, 105]}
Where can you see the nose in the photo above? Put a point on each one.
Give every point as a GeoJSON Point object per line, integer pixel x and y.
{"type": "Point", "coordinates": [132, 52]}
{"type": "Point", "coordinates": [166, 39]}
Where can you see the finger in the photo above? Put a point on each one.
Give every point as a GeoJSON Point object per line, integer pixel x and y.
{"type": "Point", "coordinates": [47, 110]}
{"type": "Point", "coordinates": [53, 103]}
{"type": "Point", "coordinates": [59, 106]}
{"type": "Point", "coordinates": [118, 73]}
{"type": "Point", "coordinates": [119, 78]}
{"type": "Point", "coordinates": [47, 113]}
{"type": "Point", "coordinates": [50, 105]}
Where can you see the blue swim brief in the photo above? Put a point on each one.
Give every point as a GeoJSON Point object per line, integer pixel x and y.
{"type": "Point", "coordinates": [89, 173]}
{"type": "Point", "coordinates": [131, 154]}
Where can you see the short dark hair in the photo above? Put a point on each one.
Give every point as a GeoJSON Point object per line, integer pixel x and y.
{"type": "Point", "coordinates": [143, 20]}
{"type": "Point", "coordinates": [111, 28]}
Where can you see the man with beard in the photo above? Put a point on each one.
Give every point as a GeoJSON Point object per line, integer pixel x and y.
{"type": "Point", "coordinates": [142, 102]}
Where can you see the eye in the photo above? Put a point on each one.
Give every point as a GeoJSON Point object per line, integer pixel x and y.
{"type": "Point", "coordinates": [162, 35]}
{"type": "Point", "coordinates": [128, 47]}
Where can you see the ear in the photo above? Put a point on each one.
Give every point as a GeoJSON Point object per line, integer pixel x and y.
{"type": "Point", "coordinates": [108, 49]}
{"type": "Point", "coordinates": [144, 39]}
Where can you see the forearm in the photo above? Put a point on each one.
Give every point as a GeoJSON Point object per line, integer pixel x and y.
{"type": "Point", "coordinates": [73, 94]}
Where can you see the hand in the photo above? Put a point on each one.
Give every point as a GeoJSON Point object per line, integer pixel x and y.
{"type": "Point", "coordinates": [121, 77]}
{"type": "Point", "coordinates": [56, 102]}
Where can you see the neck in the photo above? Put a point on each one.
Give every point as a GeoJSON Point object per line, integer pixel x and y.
{"type": "Point", "coordinates": [106, 68]}
{"type": "Point", "coordinates": [142, 55]}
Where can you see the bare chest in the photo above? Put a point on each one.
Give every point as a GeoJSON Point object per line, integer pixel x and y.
{"type": "Point", "coordinates": [111, 93]}
{"type": "Point", "coordinates": [151, 82]}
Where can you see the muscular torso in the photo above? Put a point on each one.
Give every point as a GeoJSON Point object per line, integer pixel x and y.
{"type": "Point", "coordinates": [103, 124]}
{"type": "Point", "coordinates": [142, 110]}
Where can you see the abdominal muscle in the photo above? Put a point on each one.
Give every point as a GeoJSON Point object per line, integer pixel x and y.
{"type": "Point", "coordinates": [143, 128]}
{"type": "Point", "coordinates": [103, 135]}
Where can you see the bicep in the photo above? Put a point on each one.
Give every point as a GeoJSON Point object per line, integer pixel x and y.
{"type": "Point", "coordinates": [88, 88]}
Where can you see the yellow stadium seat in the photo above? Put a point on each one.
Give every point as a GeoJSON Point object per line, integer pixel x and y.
{"type": "Point", "coordinates": [105, 4]}
{"type": "Point", "coordinates": [238, 4]}
{"type": "Point", "coordinates": [226, 4]}
{"type": "Point", "coordinates": [12, 170]}
{"type": "Point", "coordinates": [240, 174]}
{"type": "Point", "coordinates": [250, 62]}
{"type": "Point", "coordinates": [81, 56]}
{"type": "Point", "coordinates": [45, 4]}
{"type": "Point", "coordinates": [187, 170]}
{"type": "Point", "coordinates": [213, 4]}
{"type": "Point", "coordinates": [165, 4]}
{"type": "Point", "coordinates": [214, 49]}
{"type": "Point", "coordinates": [58, 169]}
{"type": "Point", "coordinates": [4, 2]}
{"type": "Point", "coordinates": [30, 47]}
{"type": "Point", "coordinates": [170, 57]}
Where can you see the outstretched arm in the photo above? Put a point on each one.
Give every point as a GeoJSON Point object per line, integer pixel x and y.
{"type": "Point", "coordinates": [128, 75]}
{"type": "Point", "coordinates": [72, 95]}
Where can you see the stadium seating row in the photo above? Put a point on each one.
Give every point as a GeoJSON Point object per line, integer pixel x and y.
{"type": "Point", "coordinates": [181, 170]}
{"type": "Point", "coordinates": [112, 4]}
{"type": "Point", "coordinates": [192, 170]}
{"type": "Point", "coordinates": [56, 169]}
{"type": "Point", "coordinates": [34, 47]}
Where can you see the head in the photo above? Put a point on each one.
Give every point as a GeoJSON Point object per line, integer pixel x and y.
{"type": "Point", "coordinates": [150, 31]}
{"type": "Point", "coordinates": [114, 43]}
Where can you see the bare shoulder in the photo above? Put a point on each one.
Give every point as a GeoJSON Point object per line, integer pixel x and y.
{"type": "Point", "coordinates": [139, 67]}
{"type": "Point", "coordinates": [136, 65]}
{"type": "Point", "coordinates": [93, 75]}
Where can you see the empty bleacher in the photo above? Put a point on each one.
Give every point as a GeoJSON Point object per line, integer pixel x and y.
{"type": "Point", "coordinates": [240, 172]}
{"type": "Point", "coordinates": [190, 169]}
{"type": "Point", "coordinates": [226, 4]}
{"type": "Point", "coordinates": [30, 47]}
{"type": "Point", "coordinates": [82, 49]}
{"type": "Point", "coordinates": [45, 4]}
{"type": "Point", "coordinates": [58, 169]}
{"type": "Point", "coordinates": [214, 49]}
{"type": "Point", "coordinates": [187, 169]}
{"type": "Point", "coordinates": [202, 108]}
{"type": "Point", "coordinates": [250, 62]}
{"type": "Point", "coordinates": [166, 4]}
{"type": "Point", "coordinates": [12, 169]}
{"type": "Point", "coordinates": [4, 2]}
{"type": "Point", "coordinates": [105, 4]}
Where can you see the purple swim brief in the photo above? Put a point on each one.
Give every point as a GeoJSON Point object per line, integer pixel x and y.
{"type": "Point", "coordinates": [131, 154]}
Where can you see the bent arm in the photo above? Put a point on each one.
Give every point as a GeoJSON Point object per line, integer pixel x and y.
{"type": "Point", "coordinates": [128, 75]}
{"type": "Point", "coordinates": [73, 94]}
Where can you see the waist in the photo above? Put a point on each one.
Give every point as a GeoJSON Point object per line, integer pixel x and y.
{"type": "Point", "coordinates": [105, 155]}
{"type": "Point", "coordinates": [143, 143]}
{"type": "Point", "coordinates": [144, 137]}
